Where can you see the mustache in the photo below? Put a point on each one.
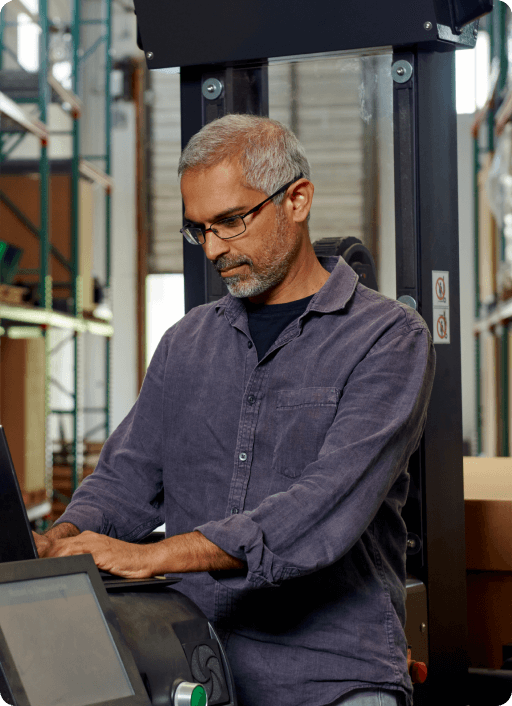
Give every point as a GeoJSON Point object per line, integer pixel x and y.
{"type": "Point", "coordinates": [224, 264]}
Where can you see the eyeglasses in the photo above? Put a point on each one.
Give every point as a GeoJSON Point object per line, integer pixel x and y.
{"type": "Point", "coordinates": [229, 227]}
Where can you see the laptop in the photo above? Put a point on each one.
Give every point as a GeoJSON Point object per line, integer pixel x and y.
{"type": "Point", "coordinates": [16, 538]}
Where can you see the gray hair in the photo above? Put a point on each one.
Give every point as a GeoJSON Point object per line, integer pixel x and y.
{"type": "Point", "coordinates": [268, 152]}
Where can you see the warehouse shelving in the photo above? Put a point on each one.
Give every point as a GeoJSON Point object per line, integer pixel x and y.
{"type": "Point", "coordinates": [41, 89]}
{"type": "Point", "coordinates": [493, 316]}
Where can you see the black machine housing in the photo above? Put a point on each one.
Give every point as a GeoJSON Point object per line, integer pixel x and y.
{"type": "Point", "coordinates": [172, 641]}
{"type": "Point", "coordinates": [161, 637]}
{"type": "Point", "coordinates": [201, 32]}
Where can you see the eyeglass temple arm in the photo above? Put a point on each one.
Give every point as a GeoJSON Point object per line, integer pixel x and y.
{"type": "Point", "coordinates": [279, 191]}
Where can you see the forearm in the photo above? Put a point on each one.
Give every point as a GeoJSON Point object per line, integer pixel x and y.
{"type": "Point", "coordinates": [190, 552]}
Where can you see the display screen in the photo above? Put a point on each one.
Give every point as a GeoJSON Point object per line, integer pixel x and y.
{"type": "Point", "coordinates": [60, 642]}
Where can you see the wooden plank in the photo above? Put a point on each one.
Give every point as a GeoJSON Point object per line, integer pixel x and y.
{"type": "Point", "coordinates": [89, 170]}
{"type": "Point", "coordinates": [66, 96]}
{"type": "Point", "coordinates": [12, 110]}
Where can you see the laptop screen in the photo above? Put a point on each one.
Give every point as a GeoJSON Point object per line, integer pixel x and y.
{"type": "Point", "coordinates": [60, 642]}
{"type": "Point", "coordinates": [16, 540]}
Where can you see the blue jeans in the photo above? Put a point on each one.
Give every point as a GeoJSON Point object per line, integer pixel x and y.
{"type": "Point", "coordinates": [369, 697]}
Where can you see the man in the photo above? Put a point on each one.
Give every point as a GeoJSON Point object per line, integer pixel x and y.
{"type": "Point", "coordinates": [272, 435]}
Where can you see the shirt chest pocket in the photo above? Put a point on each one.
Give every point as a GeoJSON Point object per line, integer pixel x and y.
{"type": "Point", "coordinates": [303, 418]}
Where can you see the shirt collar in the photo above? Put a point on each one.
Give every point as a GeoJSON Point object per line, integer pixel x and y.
{"type": "Point", "coordinates": [334, 295]}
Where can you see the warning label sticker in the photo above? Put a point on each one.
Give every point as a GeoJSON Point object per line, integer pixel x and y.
{"type": "Point", "coordinates": [441, 306]}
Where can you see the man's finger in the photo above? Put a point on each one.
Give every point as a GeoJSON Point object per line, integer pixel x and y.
{"type": "Point", "coordinates": [42, 544]}
{"type": "Point", "coordinates": [67, 547]}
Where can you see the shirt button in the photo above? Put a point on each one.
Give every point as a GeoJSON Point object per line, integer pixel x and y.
{"type": "Point", "coordinates": [243, 457]}
{"type": "Point", "coordinates": [249, 344]}
{"type": "Point", "coordinates": [251, 399]}
{"type": "Point", "coordinates": [234, 511]}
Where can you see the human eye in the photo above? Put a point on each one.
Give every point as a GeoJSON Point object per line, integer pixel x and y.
{"type": "Point", "coordinates": [230, 222]}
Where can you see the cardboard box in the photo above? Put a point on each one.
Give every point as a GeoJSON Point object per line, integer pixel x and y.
{"type": "Point", "coordinates": [488, 509]}
{"type": "Point", "coordinates": [22, 409]}
{"type": "Point", "coordinates": [24, 191]}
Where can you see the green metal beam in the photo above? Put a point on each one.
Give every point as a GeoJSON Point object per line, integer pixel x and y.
{"type": "Point", "coordinates": [44, 166]}
{"type": "Point", "coordinates": [12, 54]}
{"type": "Point", "coordinates": [61, 387]}
{"type": "Point", "coordinates": [490, 113]}
{"type": "Point", "coordinates": [476, 217]}
{"type": "Point", "coordinates": [32, 228]}
{"type": "Point", "coordinates": [6, 153]}
{"type": "Point", "coordinates": [107, 386]}
{"type": "Point", "coordinates": [93, 47]}
{"type": "Point", "coordinates": [2, 27]}
{"type": "Point", "coordinates": [75, 176]}
{"type": "Point", "coordinates": [108, 199]}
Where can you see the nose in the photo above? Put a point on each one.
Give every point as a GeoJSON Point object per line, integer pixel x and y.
{"type": "Point", "coordinates": [214, 247]}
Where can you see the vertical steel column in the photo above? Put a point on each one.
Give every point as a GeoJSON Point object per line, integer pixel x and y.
{"type": "Point", "coordinates": [476, 216]}
{"type": "Point", "coordinates": [48, 456]}
{"type": "Point", "coordinates": [427, 241]}
{"type": "Point", "coordinates": [45, 282]}
{"type": "Point", "coordinates": [404, 72]}
{"type": "Point", "coordinates": [443, 489]}
{"type": "Point", "coordinates": [504, 406]}
{"type": "Point", "coordinates": [108, 197]}
{"type": "Point", "coordinates": [241, 88]}
{"type": "Point", "coordinates": [108, 129]}
{"type": "Point", "coordinates": [77, 468]}
{"type": "Point", "coordinates": [75, 165]}
{"type": "Point", "coordinates": [44, 168]}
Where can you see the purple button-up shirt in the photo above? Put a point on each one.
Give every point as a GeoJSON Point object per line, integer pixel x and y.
{"type": "Point", "coordinates": [298, 466]}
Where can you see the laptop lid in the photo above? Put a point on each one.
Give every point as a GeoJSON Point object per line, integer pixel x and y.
{"type": "Point", "coordinates": [16, 540]}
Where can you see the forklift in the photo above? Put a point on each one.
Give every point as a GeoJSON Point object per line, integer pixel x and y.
{"type": "Point", "coordinates": [223, 59]}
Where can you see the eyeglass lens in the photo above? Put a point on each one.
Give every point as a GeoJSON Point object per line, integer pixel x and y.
{"type": "Point", "coordinates": [227, 228]}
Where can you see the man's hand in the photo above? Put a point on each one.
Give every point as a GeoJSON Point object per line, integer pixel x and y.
{"type": "Point", "coordinates": [179, 554]}
{"type": "Point", "coordinates": [120, 558]}
{"type": "Point", "coordinates": [42, 544]}
{"type": "Point", "coordinates": [44, 541]}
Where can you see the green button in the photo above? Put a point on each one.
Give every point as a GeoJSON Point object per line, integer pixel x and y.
{"type": "Point", "coordinates": [198, 697]}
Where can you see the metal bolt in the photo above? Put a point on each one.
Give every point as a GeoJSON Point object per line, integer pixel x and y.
{"type": "Point", "coordinates": [400, 71]}
{"type": "Point", "coordinates": [212, 88]}
{"type": "Point", "coordinates": [428, 26]}
{"type": "Point", "coordinates": [423, 627]}
{"type": "Point", "coordinates": [475, 33]}
{"type": "Point", "coordinates": [149, 55]}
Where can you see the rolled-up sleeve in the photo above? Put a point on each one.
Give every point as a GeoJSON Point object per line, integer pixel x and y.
{"type": "Point", "coordinates": [124, 496]}
{"type": "Point", "coordinates": [378, 425]}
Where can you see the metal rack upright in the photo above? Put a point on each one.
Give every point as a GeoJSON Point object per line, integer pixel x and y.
{"type": "Point", "coordinates": [491, 316]}
{"type": "Point", "coordinates": [49, 88]}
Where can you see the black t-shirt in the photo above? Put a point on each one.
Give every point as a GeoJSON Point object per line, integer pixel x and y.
{"type": "Point", "coordinates": [267, 321]}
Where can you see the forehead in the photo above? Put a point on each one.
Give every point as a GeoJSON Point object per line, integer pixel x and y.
{"type": "Point", "coordinates": [208, 192]}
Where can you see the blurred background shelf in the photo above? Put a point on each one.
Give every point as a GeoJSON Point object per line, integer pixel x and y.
{"type": "Point", "coordinates": [55, 211]}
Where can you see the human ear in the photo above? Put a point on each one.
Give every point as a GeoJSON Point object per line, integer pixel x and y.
{"type": "Point", "coordinates": [299, 200]}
